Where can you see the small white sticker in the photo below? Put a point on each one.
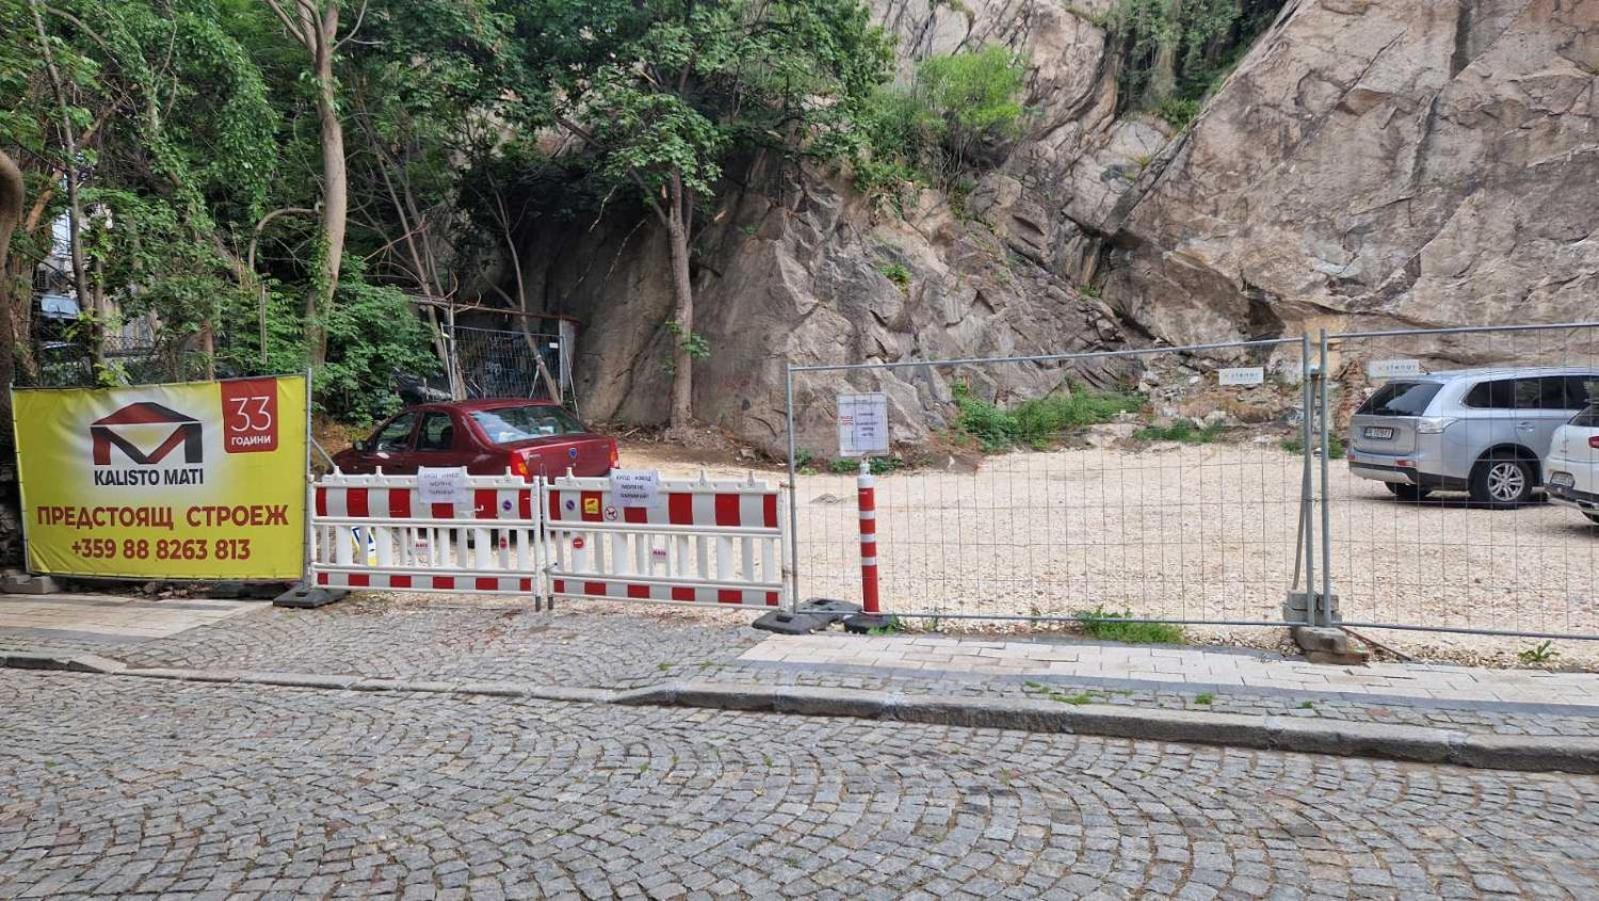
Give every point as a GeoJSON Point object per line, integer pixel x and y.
{"type": "Point", "coordinates": [862, 424]}
{"type": "Point", "coordinates": [636, 487]}
{"type": "Point", "coordinates": [1243, 375]}
{"type": "Point", "coordinates": [1388, 369]}
{"type": "Point", "coordinates": [443, 485]}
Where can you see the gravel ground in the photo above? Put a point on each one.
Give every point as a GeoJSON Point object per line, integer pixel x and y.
{"type": "Point", "coordinates": [1200, 532]}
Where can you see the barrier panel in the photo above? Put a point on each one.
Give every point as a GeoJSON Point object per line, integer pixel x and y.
{"type": "Point", "coordinates": [701, 542]}
{"type": "Point", "coordinates": [374, 531]}
{"type": "Point", "coordinates": [676, 541]}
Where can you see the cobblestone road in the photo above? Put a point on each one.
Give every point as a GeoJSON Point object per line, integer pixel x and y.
{"type": "Point", "coordinates": [130, 786]}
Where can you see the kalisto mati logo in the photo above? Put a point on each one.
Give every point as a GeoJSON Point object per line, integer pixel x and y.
{"type": "Point", "coordinates": [136, 446]}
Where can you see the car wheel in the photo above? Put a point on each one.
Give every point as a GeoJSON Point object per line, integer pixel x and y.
{"type": "Point", "coordinates": [1502, 482]}
{"type": "Point", "coordinates": [1408, 492]}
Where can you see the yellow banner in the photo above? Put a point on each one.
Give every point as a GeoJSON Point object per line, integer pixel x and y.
{"type": "Point", "coordinates": [204, 480]}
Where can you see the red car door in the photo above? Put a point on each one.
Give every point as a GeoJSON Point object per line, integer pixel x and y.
{"type": "Point", "coordinates": [389, 448]}
{"type": "Point", "coordinates": [440, 441]}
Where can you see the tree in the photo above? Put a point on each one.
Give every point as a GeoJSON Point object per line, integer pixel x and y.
{"type": "Point", "coordinates": [314, 24]}
{"type": "Point", "coordinates": [13, 198]}
{"type": "Point", "coordinates": [660, 92]}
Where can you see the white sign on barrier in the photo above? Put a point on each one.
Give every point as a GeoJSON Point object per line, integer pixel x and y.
{"type": "Point", "coordinates": [862, 424]}
{"type": "Point", "coordinates": [442, 485]}
{"type": "Point", "coordinates": [636, 487]}
{"type": "Point", "coordinates": [1388, 369]}
{"type": "Point", "coordinates": [1242, 375]}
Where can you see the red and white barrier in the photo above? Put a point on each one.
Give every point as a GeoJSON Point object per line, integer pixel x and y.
{"type": "Point", "coordinates": [866, 500]}
{"type": "Point", "coordinates": [373, 531]}
{"type": "Point", "coordinates": [702, 542]}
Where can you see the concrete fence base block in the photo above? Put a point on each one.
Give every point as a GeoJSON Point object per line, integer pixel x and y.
{"type": "Point", "coordinates": [22, 583]}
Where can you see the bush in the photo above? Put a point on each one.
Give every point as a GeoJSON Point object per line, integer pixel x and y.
{"type": "Point", "coordinates": [1039, 421]}
{"type": "Point", "coordinates": [1110, 626]}
{"type": "Point", "coordinates": [372, 334]}
{"type": "Point", "coordinates": [1186, 431]}
{"type": "Point", "coordinates": [1335, 446]}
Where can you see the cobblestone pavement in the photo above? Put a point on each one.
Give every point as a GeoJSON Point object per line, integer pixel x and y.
{"type": "Point", "coordinates": [126, 786]}
{"type": "Point", "coordinates": [576, 646]}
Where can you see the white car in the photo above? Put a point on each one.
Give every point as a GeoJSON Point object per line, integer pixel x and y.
{"type": "Point", "coordinates": [1573, 464]}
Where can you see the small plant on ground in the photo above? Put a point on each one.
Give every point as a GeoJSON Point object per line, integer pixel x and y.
{"type": "Point", "coordinates": [889, 627]}
{"type": "Point", "coordinates": [663, 666]}
{"type": "Point", "coordinates": [885, 465]}
{"type": "Point", "coordinates": [898, 274]}
{"type": "Point", "coordinates": [1184, 431]}
{"type": "Point", "coordinates": [1204, 697]}
{"type": "Point", "coordinates": [1335, 446]}
{"type": "Point", "coordinates": [1108, 625]}
{"type": "Point", "coordinates": [843, 466]}
{"type": "Point", "coordinates": [1307, 705]}
{"type": "Point", "coordinates": [1076, 700]}
{"type": "Point", "coordinates": [1538, 653]}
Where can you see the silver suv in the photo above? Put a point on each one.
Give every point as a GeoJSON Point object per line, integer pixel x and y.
{"type": "Point", "coordinates": [1485, 431]}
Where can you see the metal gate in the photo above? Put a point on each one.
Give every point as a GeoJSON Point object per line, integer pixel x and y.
{"type": "Point", "coordinates": [720, 543]}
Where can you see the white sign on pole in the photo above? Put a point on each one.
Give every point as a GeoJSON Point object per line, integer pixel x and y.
{"type": "Point", "coordinates": [1388, 369]}
{"type": "Point", "coordinates": [1243, 375]}
{"type": "Point", "coordinates": [636, 487]}
{"type": "Point", "coordinates": [862, 424]}
{"type": "Point", "coordinates": [443, 485]}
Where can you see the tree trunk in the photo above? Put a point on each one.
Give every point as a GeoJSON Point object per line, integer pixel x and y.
{"type": "Point", "coordinates": [677, 229]}
{"type": "Point", "coordinates": [335, 186]}
{"type": "Point", "coordinates": [12, 190]}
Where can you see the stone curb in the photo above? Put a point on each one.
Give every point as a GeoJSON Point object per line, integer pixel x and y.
{"type": "Point", "coordinates": [1269, 733]}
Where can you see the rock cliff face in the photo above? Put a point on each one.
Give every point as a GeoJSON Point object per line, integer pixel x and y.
{"type": "Point", "coordinates": [1372, 162]}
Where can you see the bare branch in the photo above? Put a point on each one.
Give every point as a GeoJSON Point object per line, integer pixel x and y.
{"type": "Point", "coordinates": [359, 18]}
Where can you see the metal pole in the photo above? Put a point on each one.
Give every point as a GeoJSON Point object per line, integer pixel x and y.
{"type": "Point", "coordinates": [793, 497]}
{"type": "Point", "coordinates": [310, 490]}
{"type": "Point", "coordinates": [1326, 510]}
{"type": "Point", "coordinates": [1306, 491]}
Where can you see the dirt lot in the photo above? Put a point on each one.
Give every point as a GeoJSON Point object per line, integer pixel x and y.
{"type": "Point", "coordinates": [1194, 532]}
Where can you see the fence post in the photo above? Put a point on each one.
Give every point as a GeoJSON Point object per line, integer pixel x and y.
{"type": "Point", "coordinates": [1328, 611]}
{"type": "Point", "coordinates": [867, 493]}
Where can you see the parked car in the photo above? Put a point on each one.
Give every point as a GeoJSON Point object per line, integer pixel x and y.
{"type": "Point", "coordinates": [1485, 431]}
{"type": "Point", "coordinates": [1573, 464]}
{"type": "Point", "coordinates": [529, 438]}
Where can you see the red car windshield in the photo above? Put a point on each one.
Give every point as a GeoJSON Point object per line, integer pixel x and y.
{"type": "Point", "coordinates": [509, 425]}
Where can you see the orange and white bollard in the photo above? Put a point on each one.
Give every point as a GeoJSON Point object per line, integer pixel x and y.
{"type": "Point", "coordinates": [867, 492]}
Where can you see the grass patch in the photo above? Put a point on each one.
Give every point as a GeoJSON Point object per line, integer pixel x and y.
{"type": "Point", "coordinates": [1205, 698]}
{"type": "Point", "coordinates": [1037, 422]}
{"type": "Point", "coordinates": [1538, 653]}
{"type": "Point", "coordinates": [1184, 431]}
{"type": "Point", "coordinates": [1307, 705]}
{"type": "Point", "coordinates": [1076, 700]}
{"type": "Point", "coordinates": [1108, 625]}
{"type": "Point", "coordinates": [1335, 446]}
{"type": "Point", "coordinates": [889, 627]}
{"type": "Point", "coordinates": [897, 273]}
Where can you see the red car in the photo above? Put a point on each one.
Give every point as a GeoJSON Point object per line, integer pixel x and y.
{"type": "Point", "coordinates": [529, 438]}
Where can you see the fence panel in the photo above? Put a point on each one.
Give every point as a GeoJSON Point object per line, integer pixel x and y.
{"type": "Point", "coordinates": [1018, 489]}
{"type": "Point", "coordinates": [373, 531]}
{"type": "Point", "coordinates": [704, 542]}
{"type": "Point", "coordinates": [1439, 516]}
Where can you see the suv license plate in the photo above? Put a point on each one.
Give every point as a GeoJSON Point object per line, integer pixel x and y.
{"type": "Point", "coordinates": [1378, 432]}
{"type": "Point", "coordinates": [1562, 479]}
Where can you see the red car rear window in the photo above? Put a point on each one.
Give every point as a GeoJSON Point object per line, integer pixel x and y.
{"type": "Point", "coordinates": [509, 425]}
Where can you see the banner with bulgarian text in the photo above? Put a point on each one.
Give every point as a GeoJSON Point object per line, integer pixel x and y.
{"type": "Point", "coordinates": [203, 480]}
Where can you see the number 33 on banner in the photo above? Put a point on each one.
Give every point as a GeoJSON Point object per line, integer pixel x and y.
{"type": "Point", "coordinates": [251, 410]}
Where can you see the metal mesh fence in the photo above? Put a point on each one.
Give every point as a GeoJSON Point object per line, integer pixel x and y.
{"type": "Point", "coordinates": [1026, 491]}
{"type": "Point", "coordinates": [497, 363]}
{"type": "Point", "coordinates": [1440, 515]}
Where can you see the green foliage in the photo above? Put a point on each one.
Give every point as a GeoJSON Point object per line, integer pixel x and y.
{"type": "Point", "coordinates": [844, 466]}
{"type": "Point", "coordinates": [1039, 421]}
{"type": "Point", "coordinates": [1538, 653]}
{"type": "Point", "coordinates": [1185, 431]}
{"type": "Point", "coordinates": [372, 333]}
{"type": "Point", "coordinates": [696, 344]}
{"type": "Point", "coordinates": [926, 132]}
{"type": "Point", "coordinates": [897, 273]}
{"type": "Point", "coordinates": [1205, 697]}
{"type": "Point", "coordinates": [1173, 54]}
{"type": "Point", "coordinates": [890, 626]}
{"type": "Point", "coordinates": [1107, 625]}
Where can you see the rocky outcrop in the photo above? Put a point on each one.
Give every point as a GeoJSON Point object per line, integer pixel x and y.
{"type": "Point", "coordinates": [1371, 162]}
{"type": "Point", "coordinates": [1429, 162]}
{"type": "Point", "coordinates": [797, 269]}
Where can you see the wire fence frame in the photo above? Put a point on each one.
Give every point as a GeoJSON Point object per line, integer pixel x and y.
{"type": "Point", "coordinates": [1321, 537]}
{"type": "Point", "coordinates": [1257, 345]}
